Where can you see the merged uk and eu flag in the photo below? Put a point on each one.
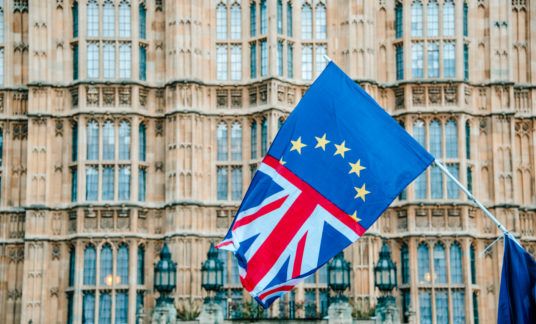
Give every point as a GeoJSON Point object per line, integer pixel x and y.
{"type": "Point", "coordinates": [336, 164]}
{"type": "Point", "coordinates": [517, 299]}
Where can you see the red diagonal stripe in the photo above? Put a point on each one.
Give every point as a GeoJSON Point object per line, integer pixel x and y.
{"type": "Point", "coordinates": [270, 292]}
{"type": "Point", "coordinates": [261, 212]}
{"type": "Point", "coordinates": [299, 256]}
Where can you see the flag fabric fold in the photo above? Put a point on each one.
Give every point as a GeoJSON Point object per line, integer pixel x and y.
{"type": "Point", "coordinates": [336, 164]}
{"type": "Point", "coordinates": [517, 298]}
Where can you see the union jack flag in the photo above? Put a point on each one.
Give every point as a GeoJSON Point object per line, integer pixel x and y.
{"type": "Point", "coordinates": [336, 164]}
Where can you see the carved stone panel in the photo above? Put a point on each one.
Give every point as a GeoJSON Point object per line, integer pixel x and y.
{"type": "Point", "coordinates": [222, 98]}
{"type": "Point", "coordinates": [417, 94]}
{"type": "Point", "coordinates": [263, 94]}
{"type": "Point", "coordinates": [434, 95]}
{"type": "Point", "coordinates": [252, 96]}
{"type": "Point", "coordinates": [236, 98]}
{"type": "Point", "coordinates": [399, 98]}
{"type": "Point", "coordinates": [108, 96]}
{"type": "Point", "coordinates": [451, 97]}
{"type": "Point", "coordinates": [92, 96]}
{"type": "Point", "coordinates": [125, 96]}
{"type": "Point", "coordinates": [143, 97]}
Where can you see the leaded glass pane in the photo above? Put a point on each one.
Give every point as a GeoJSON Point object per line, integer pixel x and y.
{"type": "Point", "coordinates": [279, 17]}
{"type": "Point", "coordinates": [141, 266]}
{"type": "Point", "coordinates": [105, 308]}
{"type": "Point", "coordinates": [90, 265]}
{"type": "Point", "coordinates": [398, 20]}
{"type": "Point", "coordinates": [143, 63]}
{"type": "Point", "coordinates": [307, 62]}
{"type": "Point", "coordinates": [290, 61]}
{"type": "Point", "coordinates": [417, 60]}
{"type": "Point", "coordinates": [106, 266]}
{"type": "Point", "coordinates": [124, 19]}
{"type": "Point", "coordinates": [425, 307]}
{"type": "Point", "coordinates": [124, 61]}
{"type": "Point", "coordinates": [122, 265]}
{"type": "Point", "coordinates": [253, 140]}
{"type": "Point", "coordinates": [253, 61]}
{"type": "Point", "coordinates": [289, 19]}
{"type": "Point", "coordinates": [458, 307]}
{"type": "Point", "coordinates": [253, 20]}
{"type": "Point", "coordinates": [264, 58]}
{"type": "Point", "coordinates": [442, 307]}
{"type": "Point", "coordinates": [143, 21]}
{"type": "Point", "coordinates": [399, 62]}
{"type": "Point", "coordinates": [440, 264]}
{"type": "Point", "coordinates": [221, 62]}
{"type": "Point", "coordinates": [423, 263]}
{"type": "Point", "coordinates": [92, 182]}
{"type": "Point", "coordinates": [236, 20]}
{"type": "Point", "coordinates": [108, 183]}
{"type": "Point", "coordinates": [142, 142]}
{"type": "Point", "coordinates": [124, 183]}
{"type": "Point", "coordinates": [142, 184]}
{"type": "Point", "coordinates": [404, 257]}
{"type": "Point", "coordinates": [222, 183]}
{"type": "Point", "coordinates": [236, 62]}
{"type": "Point", "coordinates": [221, 22]}
{"type": "Point", "coordinates": [448, 18]}
{"type": "Point", "coordinates": [321, 62]}
{"type": "Point", "coordinates": [222, 142]}
{"type": "Point", "coordinates": [451, 139]}
{"type": "Point", "coordinates": [449, 60]}
{"type": "Point", "coordinates": [108, 19]}
{"type": "Point", "coordinates": [456, 274]}
{"type": "Point", "coordinates": [432, 19]}
{"type": "Point", "coordinates": [307, 22]}
{"type": "Point", "coordinates": [435, 139]}
{"type": "Point", "coordinates": [436, 180]}
{"type": "Point", "coordinates": [236, 142]}
{"type": "Point", "coordinates": [433, 60]}
{"type": "Point", "coordinates": [108, 141]}
{"type": "Point", "coordinates": [416, 19]}
{"type": "Point", "coordinates": [124, 140]}
{"type": "Point", "coordinates": [280, 58]}
{"type": "Point", "coordinates": [92, 19]}
{"type": "Point", "coordinates": [236, 183]}
{"type": "Point", "coordinates": [453, 192]}
{"type": "Point", "coordinates": [264, 18]}
{"type": "Point", "coordinates": [92, 60]}
{"type": "Point", "coordinates": [108, 56]}
{"type": "Point", "coordinates": [88, 309]}
{"type": "Point", "coordinates": [264, 137]}
{"type": "Point", "coordinates": [320, 21]}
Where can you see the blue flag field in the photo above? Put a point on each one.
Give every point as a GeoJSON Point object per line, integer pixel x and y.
{"type": "Point", "coordinates": [336, 164]}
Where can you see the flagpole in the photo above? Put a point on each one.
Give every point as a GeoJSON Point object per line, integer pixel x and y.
{"type": "Point", "coordinates": [484, 209]}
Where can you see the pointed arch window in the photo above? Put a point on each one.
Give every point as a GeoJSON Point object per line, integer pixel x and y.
{"type": "Point", "coordinates": [307, 62]}
{"type": "Point", "coordinates": [124, 183]}
{"type": "Point", "coordinates": [279, 17]}
{"type": "Point", "coordinates": [264, 18]}
{"type": "Point", "coordinates": [465, 13]}
{"type": "Point", "coordinates": [236, 20]}
{"type": "Point", "coordinates": [404, 257]}
{"type": "Point", "coordinates": [121, 308]}
{"type": "Point", "coordinates": [143, 63]}
{"type": "Point", "coordinates": [92, 140]}
{"type": "Point", "coordinates": [416, 19]}
{"type": "Point", "coordinates": [236, 183]}
{"type": "Point", "coordinates": [222, 142]}
{"type": "Point", "coordinates": [417, 60]}
{"type": "Point", "coordinates": [221, 22]}
{"type": "Point", "coordinates": [124, 19]}
{"type": "Point", "coordinates": [448, 18]}
{"type": "Point", "coordinates": [451, 139]}
{"type": "Point", "coordinates": [108, 141]}
{"type": "Point", "coordinates": [440, 264]}
{"type": "Point", "coordinates": [221, 62]}
{"type": "Point", "coordinates": [108, 183]}
{"type": "Point", "coordinates": [449, 60]}
{"type": "Point", "coordinates": [75, 20]}
{"type": "Point", "coordinates": [307, 21]}
{"type": "Point", "coordinates": [108, 53]}
{"type": "Point", "coordinates": [122, 265]}
{"type": "Point", "coordinates": [236, 142]}
{"type": "Point", "coordinates": [423, 263]}
{"type": "Point", "coordinates": [90, 265]}
{"type": "Point", "coordinates": [435, 139]}
{"type": "Point", "coordinates": [399, 21]}
{"type": "Point", "coordinates": [92, 182]}
{"type": "Point", "coordinates": [72, 266]}
{"type": "Point", "coordinates": [264, 137]}
{"type": "Point", "coordinates": [320, 20]}
{"type": "Point", "coordinates": [253, 19]}
{"type": "Point", "coordinates": [124, 140]}
{"type": "Point", "coordinates": [433, 60]}
{"type": "Point", "coordinates": [142, 142]}
{"type": "Point", "coordinates": [142, 21]}
{"type": "Point", "coordinates": [141, 265]}
{"type": "Point", "coordinates": [92, 60]}
{"type": "Point", "coordinates": [142, 184]}
{"type": "Point", "coordinates": [432, 19]}
{"type": "Point", "coordinates": [442, 306]}
{"type": "Point", "coordinates": [436, 182]}
{"type": "Point", "coordinates": [124, 60]}
{"type": "Point", "coordinates": [106, 266]}
{"type": "Point", "coordinates": [456, 274]}
{"type": "Point", "coordinates": [108, 19]}
{"type": "Point", "coordinates": [222, 183]}
{"type": "Point", "coordinates": [289, 19]}
{"type": "Point", "coordinates": [92, 13]}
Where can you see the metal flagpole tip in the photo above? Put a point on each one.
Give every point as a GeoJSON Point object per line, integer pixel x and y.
{"type": "Point", "coordinates": [327, 58]}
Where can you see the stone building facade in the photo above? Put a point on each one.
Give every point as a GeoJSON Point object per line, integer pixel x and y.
{"type": "Point", "coordinates": [124, 123]}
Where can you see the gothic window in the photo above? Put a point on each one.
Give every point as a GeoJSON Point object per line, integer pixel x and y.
{"type": "Point", "coordinates": [404, 257]}
{"type": "Point", "coordinates": [108, 141]}
{"type": "Point", "coordinates": [465, 13]}
{"type": "Point", "coordinates": [320, 20]}
{"type": "Point", "coordinates": [253, 60]}
{"type": "Point", "coordinates": [142, 21]}
{"type": "Point", "coordinates": [141, 265]}
{"type": "Point", "coordinates": [222, 142]}
{"type": "Point", "coordinates": [236, 183]}
{"type": "Point", "coordinates": [70, 306]}
{"type": "Point", "coordinates": [436, 182]}
{"type": "Point", "coordinates": [142, 180]}
{"type": "Point", "coordinates": [221, 22]}
{"type": "Point", "coordinates": [279, 17]}
{"type": "Point", "coordinates": [74, 138]}
{"type": "Point", "coordinates": [452, 189]}
{"type": "Point", "coordinates": [307, 22]}
{"type": "Point", "coordinates": [221, 62]}
{"type": "Point", "coordinates": [440, 264]}
{"type": "Point", "coordinates": [142, 142]}
{"type": "Point", "coordinates": [92, 19]}
{"type": "Point", "coordinates": [143, 63]}
{"type": "Point", "coordinates": [417, 60]}
{"type": "Point", "coordinates": [442, 306]}
{"type": "Point", "coordinates": [90, 265]}
{"type": "Point", "coordinates": [264, 18]}
{"type": "Point", "coordinates": [75, 61]}
{"type": "Point", "coordinates": [236, 62]}
{"type": "Point", "coordinates": [222, 183]}
{"type": "Point", "coordinates": [124, 19]}
{"type": "Point", "coordinates": [466, 61]}
{"type": "Point", "coordinates": [72, 266]}
{"type": "Point", "coordinates": [122, 265]}
{"type": "Point", "coordinates": [108, 60]}
{"type": "Point", "coordinates": [124, 183]}
{"type": "Point", "coordinates": [451, 139]}
{"type": "Point", "coordinates": [236, 142]}
{"type": "Point", "coordinates": [399, 62]}
{"type": "Point", "coordinates": [108, 19]}
{"type": "Point", "coordinates": [423, 263]}
{"type": "Point", "coordinates": [289, 19]}
{"type": "Point", "coordinates": [449, 59]}
{"type": "Point", "coordinates": [124, 140]}
{"type": "Point", "coordinates": [264, 137]}
{"type": "Point", "coordinates": [473, 265]}
{"type": "Point", "coordinates": [74, 184]}
{"type": "Point", "coordinates": [236, 21]}
{"type": "Point", "coordinates": [253, 140]}
{"type": "Point", "coordinates": [458, 306]}
{"type": "Point", "coordinates": [108, 183]}
{"type": "Point", "coordinates": [433, 60]}
{"type": "Point", "coordinates": [75, 19]}
{"type": "Point", "coordinates": [432, 19]}
{"type": "Point", "coordinates": [106, 266]}
{"type": "Point", "coordinates": [456, 274]}
{"type": "Point", "coordinates": [475, 308]}
{"type": "Point", "coordinates": [321, 62]}
{"type": "Point", "coordinates": [264, 58]}
{"type": "Point", "coordinates": [435, 138]}
{"type": "Point", "coordinates": [253, 19]}
{"type": "Point", "coordinates": [290, 61]}
{"type": "Point", "coordinates": [92, 60]}
{"type": "Point", "coordinates": [92, 182]}
{"type": "Point", "coordinates": [280, 58]}
{"type": "Point", "coordinates": [416, 19]}
{"type": "Point", "coordinates": [399, 21]}
{"type": "Point", "coordinates": [448, 18]}
{"type": "Point", "coordinates": [88, 313]}
{"type": "Point", "coordinates": [124, 60]}
{"type": "Point", "coordinates": [105, 308]}
{"type": "Point", "coordinates": [307, 62]}
{"type": "Point", "coordinates": [121, 308]}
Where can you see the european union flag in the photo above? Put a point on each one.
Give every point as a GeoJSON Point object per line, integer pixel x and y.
{"type": "Point", "coordinates": [337, 163]}
{"type": "Point", "coordinates": [517, 299]}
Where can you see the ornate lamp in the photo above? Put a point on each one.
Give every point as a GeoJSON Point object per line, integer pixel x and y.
{"type": "Point", "coordinates": [165, 275]}
{"type": "Point", "coordinates": [385, 271]}
{"type": "Point", "coordinates": [212, 271]}
{"type": "Point", "coordinates": [339, 274]}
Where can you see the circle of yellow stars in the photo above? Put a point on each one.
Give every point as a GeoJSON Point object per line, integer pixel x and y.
{"type": "Point", "coordinates": [340, 149]}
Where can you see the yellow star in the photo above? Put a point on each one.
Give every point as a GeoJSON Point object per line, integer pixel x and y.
{"type": "Point", "coordinates": [297, 145]}
{"type": "Point", "coordinates": [322, 141]}
{"type": "Point", "coordinates": [356, 168]}
{"type": "Point", "coordinates": [282, 162]}
{"type": "Point", "coordinates": [341, 149]}
{"type": "Point", "coordinates": [354, 216]}
{"type": "Point", "coordinates": [361, 192]}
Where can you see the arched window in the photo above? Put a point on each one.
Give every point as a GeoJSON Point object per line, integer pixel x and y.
{"type": "Point", "coordinates": [440, 264]}
{"type": "Point", "coordinates": [253, 141]}
{"type": "Point", "coordinates": [92, 19]}
{"type": "Point", "coordinates": [142, 21]}
{"type": "Point", "coordinates": [142, 142]}
{"type": "Point", "coordinates": [72, 266]}
{"type": "Point", "coordinates": [236, 19]}
{"type": "Point", "coordinates": [279, 17]}
{"type": "Point", "coordinates": [122, 265]}
{"type": "Point", "coordinates": [456, 275]}
{"type": "Point", "coordinates": [307, 21]}
{"type": "Point", "coordinates": [90, 265]}
{"type": "Point", "coordinates": [92, 140]}
{"type": "Point", "coordinates": [92, 182]}
{"type": "Point", "coordinates": [436, 182]}
{"type": "Point", "coordinates": [420, 182]}
{"type": "Point", "coordinates": [106, 266]}
{"type": "Point", "coordinates": [289, 19]}
{"type": "Point", "coordinates": [423, 263]}
{"type": "Point", "coordinates": [448, 18]}
{"type": "Point", "coordinates": [320, 20]}
{"type": "Point", "coordinates": [88, 313]}
{"type": "Point", "coordinates": [416, 19]}
{"type": "Point", "coordinates": [105, 308]}
{"type": "Point", "coordinates": [221, 21]}
{"type": "Point", "coordinates": [124, 140]}
{"type": "Point", "coordinates": [108, 183]}
{"type": "Point", "coordinates": [435, 138]}
{"type": "Point", "coordinates": [451, 139]}
{"type": "Point", "coordinates": [404, 257]}
{"type": "Point", "coordinates": [473, 265]}
{"type": "Point", "coordinates": [75, 20]}
{"type": "Point", "coordinates": [432, 18]}
{"type": "Point", "coordinates": [108, 19]}
{"type": "Point", "coordinates": [236, 142]}
{"type": "Point", "coordinates": [465, 13]}
{"type": "Point", "coordinates": [399, 21]}
{"type": "Point", "coordinates": [264, 137]}
{"type": "Point", "coordinates": [264, 18]}
{"type": "Point", "coordinates": [141, 265]}
{"type": "Point", "coordinates": [222, 142]}
{"type": "Point", "coordinates": [124, 183]}
{"type": "Point", "coordinates": [108, 141]}
{"type": "Point", "coordinates": [124, 19]}
{"type": "Point", "coordinates": [253, 19]}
